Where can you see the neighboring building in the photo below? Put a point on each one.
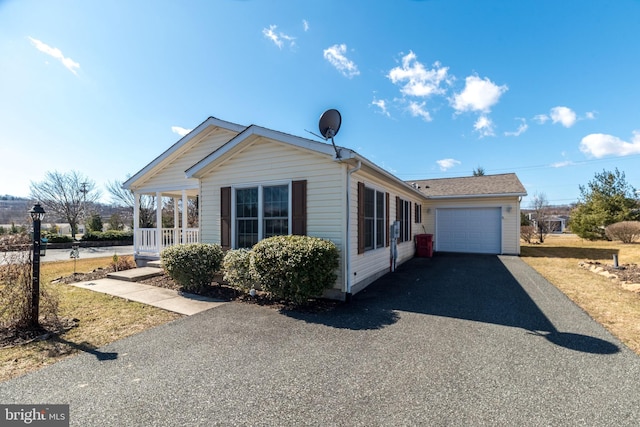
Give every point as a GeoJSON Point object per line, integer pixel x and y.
{"type": "Point", "coordinates": [553, 223]}
{"type": "Point", "coordinates": [252, 183]}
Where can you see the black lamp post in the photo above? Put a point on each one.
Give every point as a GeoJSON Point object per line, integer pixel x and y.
{"type": "Point", "coordinates": [37, 213]}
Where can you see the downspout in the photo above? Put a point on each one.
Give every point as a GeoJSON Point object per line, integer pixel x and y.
{"type": "Point", "coordinates": [518, 225]}
{"type": "Point", "coordinates": [348, 241]}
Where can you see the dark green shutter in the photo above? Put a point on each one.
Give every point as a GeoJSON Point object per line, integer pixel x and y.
{"type": "Point", "coordinates": [225, 217]}
{"type": "Point", "coordinates": [299, 207]}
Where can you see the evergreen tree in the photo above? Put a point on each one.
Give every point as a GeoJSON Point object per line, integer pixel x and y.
{"type": "Point", "coordinates": [605, 200]}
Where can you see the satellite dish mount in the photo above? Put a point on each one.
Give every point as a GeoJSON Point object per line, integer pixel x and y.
{"type": "Point", "coordinates": [329, 126]}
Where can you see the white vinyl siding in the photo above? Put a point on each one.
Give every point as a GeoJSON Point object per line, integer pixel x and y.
{"type": "Point", "coordinates": [267, 162]}
{"type": "Point", "coordinates": [372, 264]}
{"type": "Point", "coordinates": [510, 217]}
{"type": "Point", "coordinates": [170, 175]}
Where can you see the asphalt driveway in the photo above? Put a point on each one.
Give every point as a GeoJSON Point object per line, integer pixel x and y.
{"type": "Point", "coordinates": [452, 340]}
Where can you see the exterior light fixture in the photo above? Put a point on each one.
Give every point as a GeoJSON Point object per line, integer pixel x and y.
{"type": "Point", "coordinates": [36, 213]}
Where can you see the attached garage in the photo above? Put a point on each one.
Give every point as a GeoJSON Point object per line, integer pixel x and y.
{"type": "Point", "coordinates": [474, 214]}
{"type": "Point", "coordinates": [469, 230]}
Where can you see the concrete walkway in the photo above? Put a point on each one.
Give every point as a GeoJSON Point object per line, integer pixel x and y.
{"type": "Point", "coordinates": [167, 299]}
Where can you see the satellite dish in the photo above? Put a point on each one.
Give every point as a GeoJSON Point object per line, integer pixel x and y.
{"type": "Point", "coordinates": [329, 126]}
{"type": "Point", "coordinates": [330, 123]}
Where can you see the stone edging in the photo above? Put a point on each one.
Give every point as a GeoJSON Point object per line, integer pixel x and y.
{"type": "Point", "coordinates": [596, 267]}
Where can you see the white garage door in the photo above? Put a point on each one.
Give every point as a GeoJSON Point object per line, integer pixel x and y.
{"type": "Point", "coordinates": [470, 230]}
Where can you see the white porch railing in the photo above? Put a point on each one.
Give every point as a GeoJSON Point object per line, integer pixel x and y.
{"type": "Point", "coordinates": [149, 243]}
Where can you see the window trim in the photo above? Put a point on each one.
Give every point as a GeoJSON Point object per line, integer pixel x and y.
{"type": "Point", "coordinates": [261, 218]}
{"type": "Point", "coordinates": [417, 219]}
{"type": "Point", "coordinates": [378, 243]}
{"type": "Point", "coordinates": [403, 214]}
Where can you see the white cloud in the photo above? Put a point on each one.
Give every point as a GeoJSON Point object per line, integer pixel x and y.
{"type": "Point", "coordinates": [590, 115]}
{"type": "Point", "coordinates": [484, 126]}
{"type": "Point", "coordinates": [382, 105]}
{"type": "Point", "coordinates": [447, 163]}
{"type": "Point", "coordinates": [180, 130]}
{"type": "Point", "coordinates": [561, 164]}
{"type": "Point", "coordinates": [599, 145]}
{"type": "Point", "coordinates": [278, 38]}
{"type": "Point", "coordinates": [417, 110]}
{"type": "Point", "coordinates": [541, 119]}
{"type": "Point", "coordinates": [478, 95]}
{"type": "Point", "coordinates": [336, 57]}
{"type": "Point", "coordinates": [521, 129]}
{"type": "Point", "coordinates": [563, 115]}
{"type": "Point", "coordinates": [305, 25]}
{"type": "Point", "coordinates": [416, 80]}
{"type": "Point", "coordinates": [56, 53]}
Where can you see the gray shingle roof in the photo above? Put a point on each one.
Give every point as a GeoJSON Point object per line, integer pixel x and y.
{"type": "Point", "coordinates": [486, 185]}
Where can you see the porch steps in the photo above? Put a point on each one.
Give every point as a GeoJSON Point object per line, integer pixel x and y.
{"type": "Point", "coordinates": [135, 274]}
{"type": "Point", "coordinates": [155, 264]}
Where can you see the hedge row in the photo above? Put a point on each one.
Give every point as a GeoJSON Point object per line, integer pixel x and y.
{"type": "Point", "coordinates": [109, 235]}
{"type": "Point", "coordinates": [294, 268]}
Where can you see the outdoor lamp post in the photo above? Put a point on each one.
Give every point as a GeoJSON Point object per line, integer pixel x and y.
{"type": "Point", "coordinates": [37, 213]}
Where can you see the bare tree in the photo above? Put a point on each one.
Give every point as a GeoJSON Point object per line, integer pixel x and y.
{"type": "Point", "coordinates": [540, 207]}
{"type": "Point", "coordinates": [66, 194]}
{"type": "Point", "coordinates": [123, 197]}
{"type": "Point", "coordinates": [192, 213]}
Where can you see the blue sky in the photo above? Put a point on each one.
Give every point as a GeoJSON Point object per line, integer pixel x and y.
{"type": "Point", "coordinates": [427, 89]}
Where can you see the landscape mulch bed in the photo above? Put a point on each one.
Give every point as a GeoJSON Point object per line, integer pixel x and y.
{"type": "Point", "coordinates": [226, 293]}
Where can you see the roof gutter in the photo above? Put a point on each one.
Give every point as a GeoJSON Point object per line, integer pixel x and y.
{"type": "Point", "coordinates": [475, 196]}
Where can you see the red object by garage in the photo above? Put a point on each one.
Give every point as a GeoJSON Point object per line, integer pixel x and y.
{"type": "Point", "coordinates": [424, 245]}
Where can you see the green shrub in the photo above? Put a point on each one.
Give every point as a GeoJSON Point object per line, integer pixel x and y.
{"type": "Point", "coordinates": [57, 238]}
{"type": "Point", "coordinates": [236, 268]}
{"type": "Point", "coordinates": [295, 268]}
{"type": "Point", "coordinates": [192, 266]}
{"type": "Point", "coordinates": [109, 235]}
{"type": "Point", "coordinates": [625, 231]}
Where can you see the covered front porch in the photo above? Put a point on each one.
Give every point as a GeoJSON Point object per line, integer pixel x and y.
{"type": "Point", "coordinates": [163, 219]}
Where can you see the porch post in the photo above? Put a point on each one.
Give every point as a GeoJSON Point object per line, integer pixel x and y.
{"type": "Point", "coordinates": [185, 212]}
{"type": "Point", "coordinates": [136, 221]}
{"type": "Point", "coordinates": [176, 223]}
{"type": "Point", "coordinates": [159, 221]}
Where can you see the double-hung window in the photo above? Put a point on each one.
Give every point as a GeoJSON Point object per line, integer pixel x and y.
{"type": "Point", "coordinates": [260, 212]}
{"type": "Point", "coordinates": [374, 224]}
{"type": "Point", "coordinates": [404, 216]}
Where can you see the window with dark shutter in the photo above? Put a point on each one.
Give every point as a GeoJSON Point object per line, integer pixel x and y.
{"type": "Point", "coordinates": [372, 205]}
{"type": "Point", "coordinates": [299, 207]}
{"type": "Point", "coordinates": [225, 217]}
{"type": "Point", "coordinates": [386, 202]}
{"type": "Point", "coordinates": [360, 217]}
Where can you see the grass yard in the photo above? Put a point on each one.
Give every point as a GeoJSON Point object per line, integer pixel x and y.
{"type": "Point", "coordinates": [603, 299]}
{"type": "Point", "coordinates": [102, 319]}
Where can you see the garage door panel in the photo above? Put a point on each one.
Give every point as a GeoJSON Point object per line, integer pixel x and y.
{"type": "Point", "coordinates": [471, 230]}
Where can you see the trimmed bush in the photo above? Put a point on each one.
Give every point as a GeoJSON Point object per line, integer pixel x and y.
{"type": "Point", "coordinates": [237, 273]}
{"type": "Point", "coordinates": [56, 238]}
{"type": "Point", "coordinates": [109, 235]}
{"type": "Point", "coordinates": [625, 231]}
{"type": "Point", "coordinates": [295, 268]}
{"type": "Point", "coordinates": [192, 266]}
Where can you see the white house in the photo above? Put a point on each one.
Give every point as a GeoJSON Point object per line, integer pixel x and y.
{"type": "Point", "coordinates": [252, 182]}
